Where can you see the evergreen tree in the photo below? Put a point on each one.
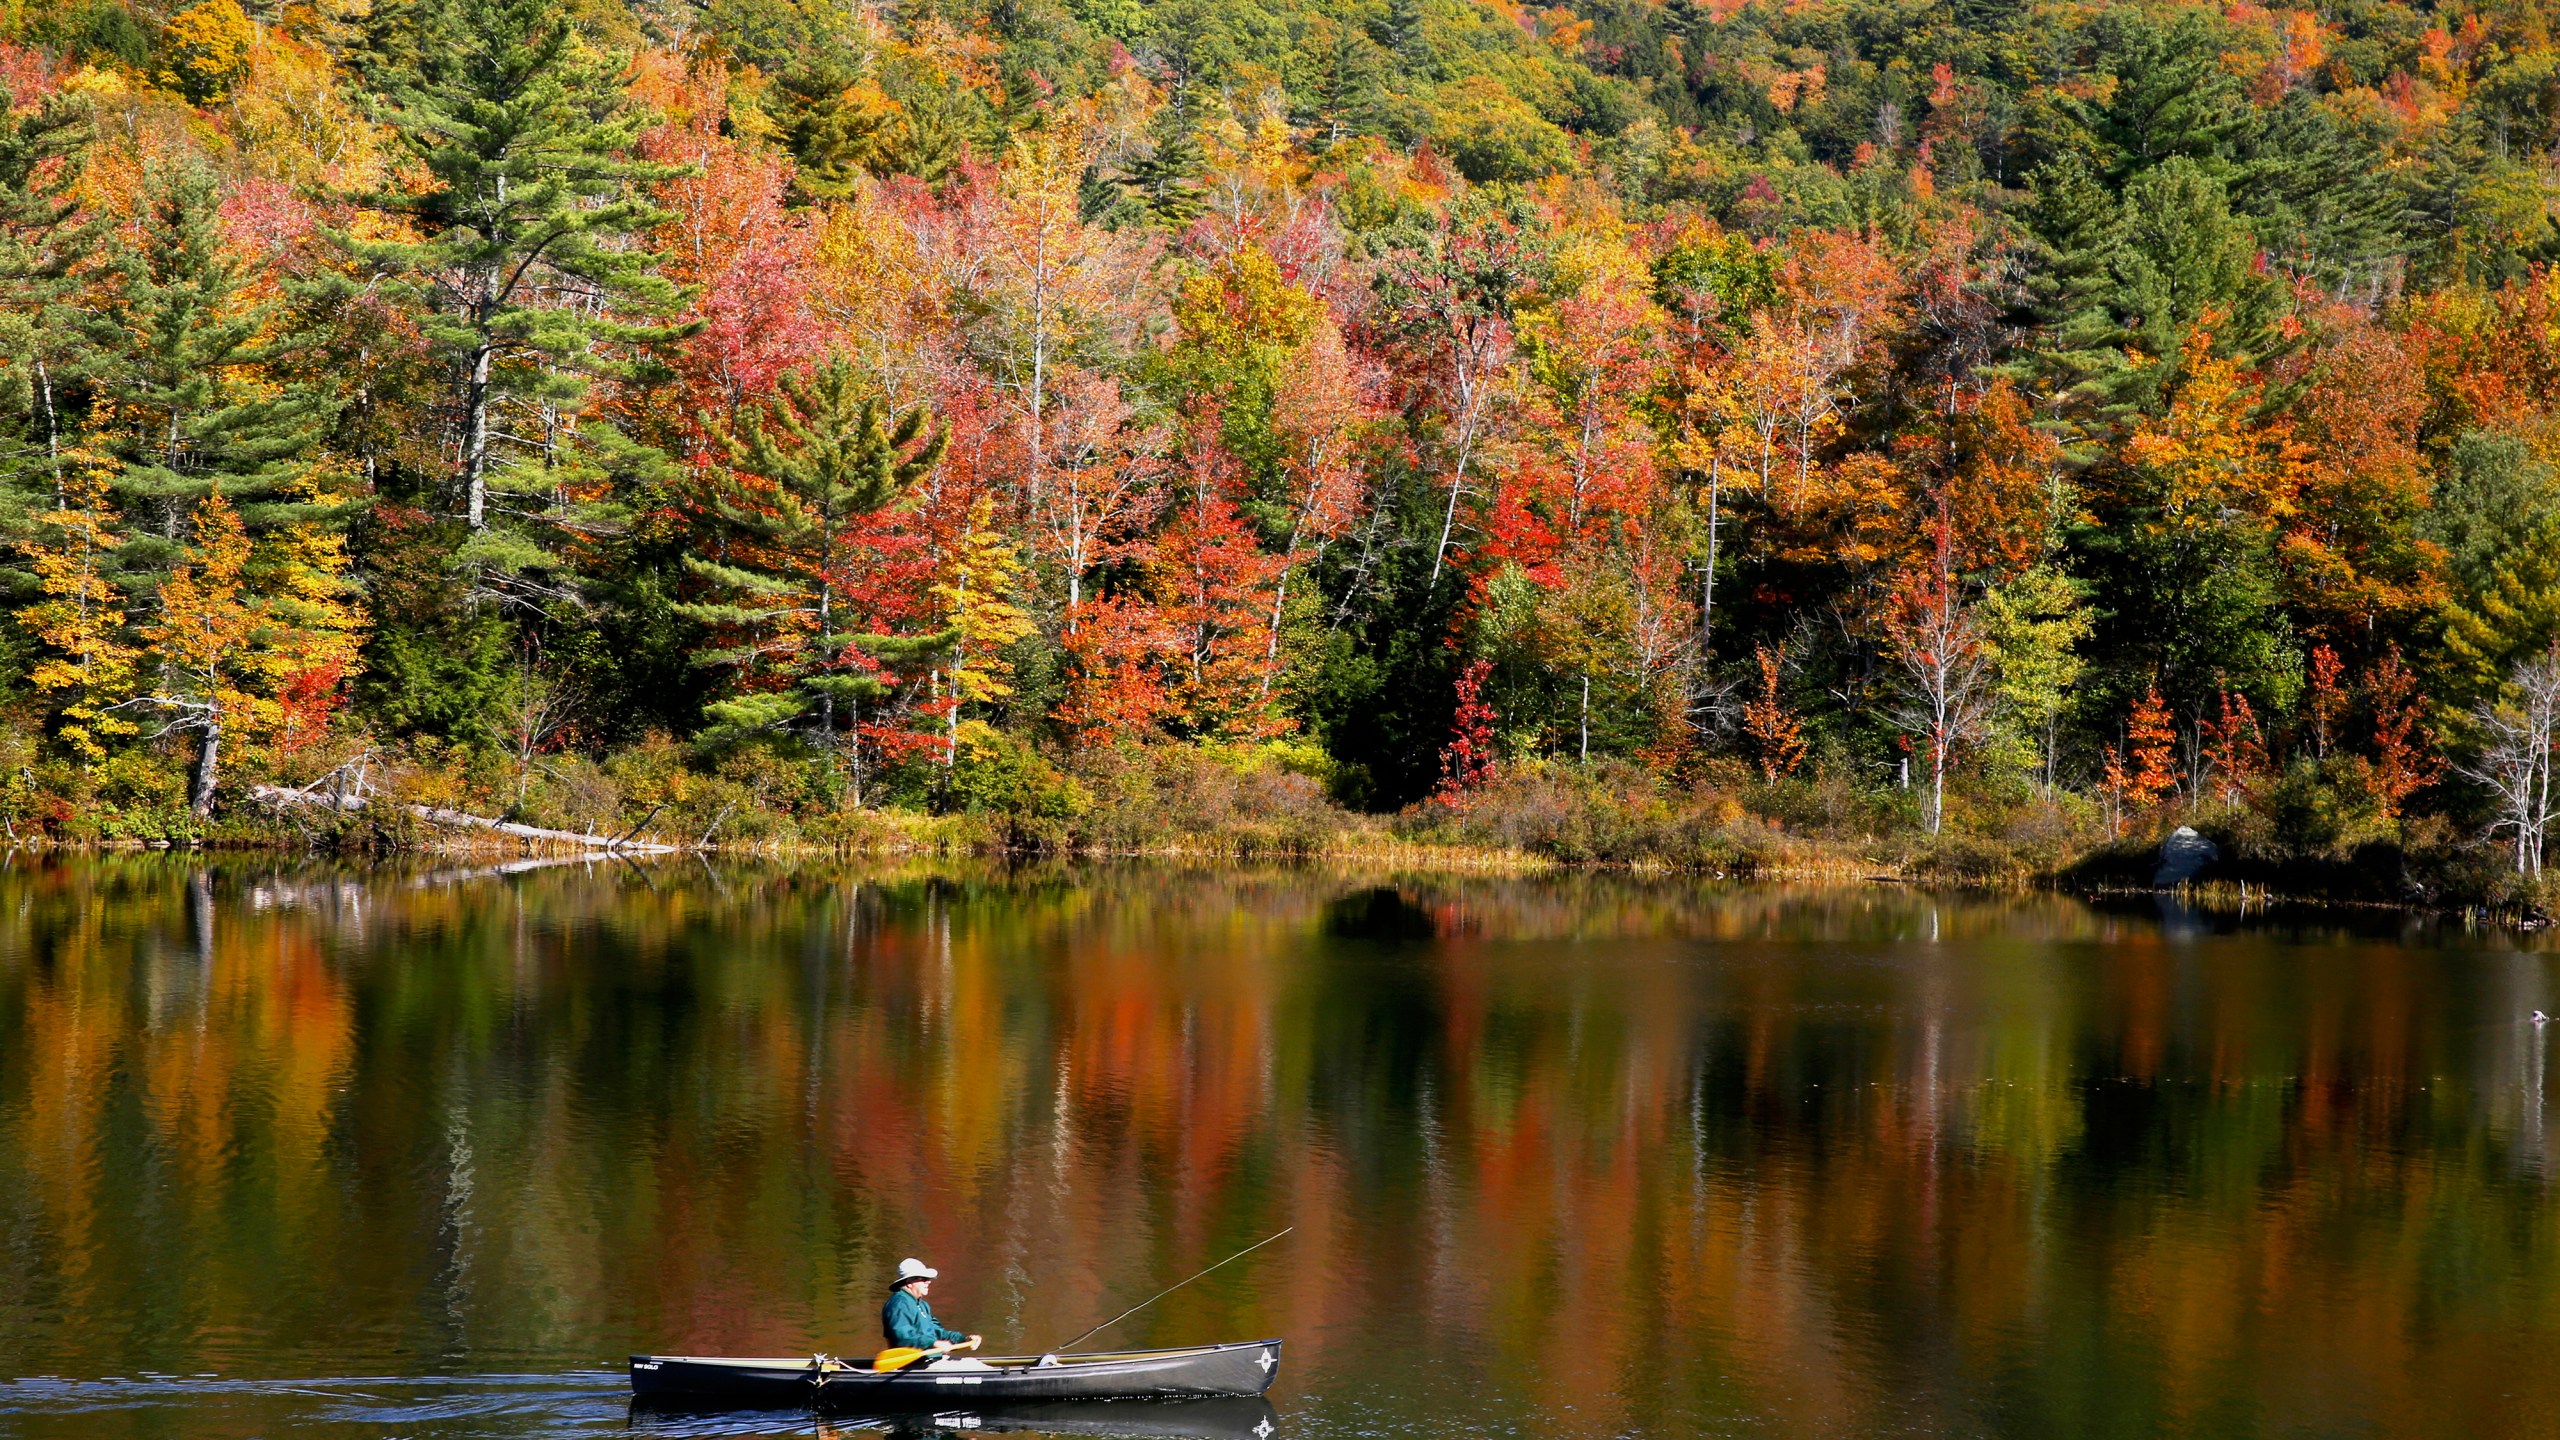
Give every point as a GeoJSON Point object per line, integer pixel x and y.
{"type": "Point", "coordinates": [1400, 33]}
{"type": "Point", "coordinates": [530, 269]}
{"type": "Point", "coordinates": [2169, 96]}
{"type": "Point", "coordinates": [184, 419]}
{"type": "Point", "coordinates": [48, 338]}
{"type": "Point", "coordinates": [838, 130]}
{"type": "Point", "coordinates": [1197, 44]}
{"type": "Point", "coordinates": [936, 123]}
{"type": "Point", "coordinates": [2073, 226]}
{"type": "Point", "coordinates": [1343, 76]}
{"type": "Point", "coordinates": [1165, 181]}
{"type": "Point", "coordinates": [2320, 198]}
{"type": "Point", "coordinates": [831, 457]}
{"type": "Point", "coordinates": [2124, 284]}
{"type": "Point", "coordinates": [2493, 494]}
{"type": "Point", "coordinates": [2512, 616]}
{"type": "Point", "coordinates": [436, 662]}
{"type": "Point", "coordinates": [2472, 213]}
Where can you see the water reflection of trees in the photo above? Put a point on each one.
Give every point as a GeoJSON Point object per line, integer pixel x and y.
{"type": "Point", "coordinates": [1603, 1148]}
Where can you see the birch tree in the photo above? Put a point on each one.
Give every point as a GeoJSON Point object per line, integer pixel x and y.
{"type": "Point", "coordinates": [1935, 637]}
{"type": "Point", "coordinates": [2517, 732]}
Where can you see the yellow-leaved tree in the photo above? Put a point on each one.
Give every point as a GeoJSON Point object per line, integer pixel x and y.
{"type": "Point", "coordinates": [204, 49]}
{"type": "Point", "coordinates": [86, 663]}
{"type": "Point", "coordinates": [254, 643]}
{"type": "Point", "coordinates": [973, 593]}
{"type": "Point", "coordinates": [313, 633]}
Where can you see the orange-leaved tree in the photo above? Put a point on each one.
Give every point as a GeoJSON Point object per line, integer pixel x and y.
{"type": "Point", "coordinates": [206, 637]}
{"type": "Point", "coordinates": [2211, 460]}
{"type": "Point", "coordinates": [2404, 757]}
{"type": "Point", "coordinates": [1214, 586]}
{"type": "Point", "coordinates": [2142, 771]}
{"type": "Point", "coordinates": [2351, 552]}
{"type": "Point", "coordinates": [1592, 347]}
{"type": "Point", "coordinates": [1774, 733]}
{"type": "Point", "coordinates": [1116, 659]}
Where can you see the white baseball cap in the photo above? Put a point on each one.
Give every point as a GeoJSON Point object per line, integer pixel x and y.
{"type": "Point", "coordinates": [913, 1269]}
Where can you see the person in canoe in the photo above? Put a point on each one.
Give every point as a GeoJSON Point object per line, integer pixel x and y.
{"type": "Point", "coordinates": [908, 1321]}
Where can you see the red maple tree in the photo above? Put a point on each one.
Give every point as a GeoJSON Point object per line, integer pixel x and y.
{"type": "Point", "coordinates": [1466, 762]}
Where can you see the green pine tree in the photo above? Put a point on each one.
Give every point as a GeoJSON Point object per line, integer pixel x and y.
{"type": "Point", "coordinates": [2170, 97]}
{"type": "Point", "coordinates": [2473, 213]}
{"type": "Point", "coordinates": [530, 270]}
{"type": "Point", "coordinates": [1340, 77]}
{"type": "Point", "coordinates": [831, 457]}
{"type": "Point", "coordinates": [48, 339]}
{"type": "Point", "coordinates": [2513, 616]}
{"type": "Point", "coordinates": [2121, 284]}
{"type": "Point", "coordinates": [1400, 33]}
{"type": "Point", "coordinates": [835, 137]}
{"type": "Point", "coordinates": [1197, 44]}
{"type": "Point", "coordinates": [2320, 198]}
{"type": "Point", "coordinates": [1165, 181]}
{"type": "Point", "coordinates": [185, 419]}
{"type": "Point", "coordinates": [2492, 494]}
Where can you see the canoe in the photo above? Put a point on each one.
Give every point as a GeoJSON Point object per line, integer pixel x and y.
{"type": "Point", "coordinates": [1230, 1418]}
{"type": "Point", "coordinates": [1242, 1369]}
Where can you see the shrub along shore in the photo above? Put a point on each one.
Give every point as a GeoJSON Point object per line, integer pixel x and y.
{"type": "Point", "coordinates": [2302, 840]}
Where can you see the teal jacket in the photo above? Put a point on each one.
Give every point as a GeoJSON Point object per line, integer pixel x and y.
{"type": "Point", "coordinates": [907, 1320]}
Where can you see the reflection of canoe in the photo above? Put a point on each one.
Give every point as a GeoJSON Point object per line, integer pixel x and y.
{"type": "Point", "coordinates": [1207, 1370]}
{"type": "Point", "coordinates": [1229, 1419]}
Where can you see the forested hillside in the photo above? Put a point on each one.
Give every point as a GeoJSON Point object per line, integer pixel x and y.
{"type": "Point", "coordinates": [1597, 427]}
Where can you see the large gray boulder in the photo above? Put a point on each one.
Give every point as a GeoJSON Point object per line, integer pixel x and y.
{"type": "Point", "coordinates": [2182, 857]}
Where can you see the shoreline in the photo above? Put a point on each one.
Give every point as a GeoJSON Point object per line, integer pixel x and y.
{"type": "Point", "coordinates": [1831, 865]}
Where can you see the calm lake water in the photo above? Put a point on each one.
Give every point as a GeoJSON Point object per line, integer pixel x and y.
{"type": "Point", "coordinates": [313, 1153]}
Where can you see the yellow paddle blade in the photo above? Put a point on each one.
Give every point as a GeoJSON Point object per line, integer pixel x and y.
{"type": "Point", "coordinates": [898, 1358]}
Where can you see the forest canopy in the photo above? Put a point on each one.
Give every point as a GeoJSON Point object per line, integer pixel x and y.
{"type": "Point", "coordinates": [1956, 417]}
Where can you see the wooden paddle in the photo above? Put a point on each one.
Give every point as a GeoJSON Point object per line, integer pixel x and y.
{"type": "Point", "coordinates": [899, 1357]}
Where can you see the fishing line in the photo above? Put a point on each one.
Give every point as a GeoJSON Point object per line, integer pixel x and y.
{"type": "Point", "coordinates": [1169, 1289]}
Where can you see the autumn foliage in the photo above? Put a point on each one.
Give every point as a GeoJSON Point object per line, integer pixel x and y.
{"type": "Point", "coordinates": [860, 411]}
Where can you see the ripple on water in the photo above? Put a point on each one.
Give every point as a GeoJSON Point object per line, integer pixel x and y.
{"type": "Point", "coordinates": [41, 1408]}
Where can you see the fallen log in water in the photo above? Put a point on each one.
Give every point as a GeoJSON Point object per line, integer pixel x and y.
{"type": "Point", "coordinates": [461, 820]}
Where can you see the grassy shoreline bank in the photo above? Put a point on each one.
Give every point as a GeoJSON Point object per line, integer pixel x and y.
{"type": "Point", "coordinates": [1457, 839]}
{"type": "Point", "coordinates": [1273, 804]}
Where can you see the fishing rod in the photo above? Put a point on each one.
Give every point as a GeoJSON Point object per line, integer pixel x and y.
{"type": "Point", "coordinates": [1169, 1289]}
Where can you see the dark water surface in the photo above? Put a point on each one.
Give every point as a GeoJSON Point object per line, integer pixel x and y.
{"type": "Point", "coordinates": [312, 1153]}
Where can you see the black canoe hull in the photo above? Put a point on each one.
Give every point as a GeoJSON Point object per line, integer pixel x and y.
{"type": "Point", "coordinates": [1223, 1419]}
{"type": "Point", "coordinates": [1200, 1372]}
